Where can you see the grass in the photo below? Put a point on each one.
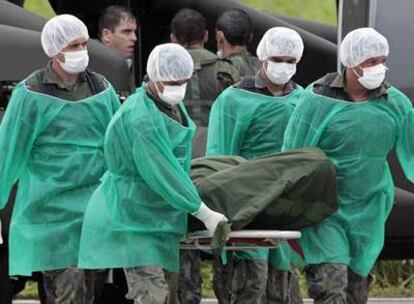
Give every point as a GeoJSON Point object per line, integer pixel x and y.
{"type": "Point", "coordinates": [318, 10]}
{"type": "Point", "coordinates": [393, 278]}
{"type": "Point", "coordinates": [207, 275]}
{"type": "Point", "coordinates": [39, 7]}
{"type": "Point", "coordinates": [30, 292]}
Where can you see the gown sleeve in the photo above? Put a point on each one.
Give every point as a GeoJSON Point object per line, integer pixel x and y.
{"type": "Point", "coordinates": [225, 131]}
{"type": "Point", "coordinates": [162, 171]}
{"type": "Point", "coordinates": [405, 140]}
{"type": "Point", "coordinates": [303, 129]}
{"type": "Point", "coordinates": [17, 135]}
{"type": "Point", "coordinates": [116, 104]}
{"type": "Point", "coordinates": [309, 120]}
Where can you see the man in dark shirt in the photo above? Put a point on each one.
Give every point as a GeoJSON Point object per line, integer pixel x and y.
{"type": "Point", "coordinates": [211, 74]}
{"type": "Point", "coordinates": [234, 32]}
{"type": "Point", "coordinates": [117, 29]}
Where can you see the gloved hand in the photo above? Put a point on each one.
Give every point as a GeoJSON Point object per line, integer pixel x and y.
{"type": "Point", "coordinates": [209, 217]}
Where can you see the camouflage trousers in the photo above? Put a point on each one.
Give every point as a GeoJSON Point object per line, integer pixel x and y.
{"type": "Point", "coordinates": [222, 278]}
{"type": "Point", "coordinates": [151, 285]}
{"type": "Point", "coordinates": [282, 287]}
{"type": "Point", "coordinates": [73, 286]}
{"type": "Point", "coordinates": [247, 280]}
{"type": "Point", "coordinates": [336, 284]}
{"type": "Point", "coordinates": [189, 286]}
{"type": "Point", "coordinates": [248, 284]}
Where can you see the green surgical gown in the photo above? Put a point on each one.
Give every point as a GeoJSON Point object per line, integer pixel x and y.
{"type": "Point", "coordinates": [138, 214]}
{"type": "Point", "coordinates": [54, 148]}
{"type": "Point", "coordinates": [357, 137]}
{"type": "Point", "coordinates": [252, 125]}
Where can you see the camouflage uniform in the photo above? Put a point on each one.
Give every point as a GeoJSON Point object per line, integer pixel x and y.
{"type": "Point", "coordinates": [327, 283]}
{"type": "Point", "coordinates": [282, 284]}
{"type": "Point", "coordinates": [70, 285]}
{"type": "Point", "coordinates": [248, 284]}
{"type": "Point", "coordinates": [265, 282]}
{"type": "Point", "coordinates": [151, 285]}
{"type": "Point", "coordinates": [73, 286]}
{"type": "Point", "coordinates": [335, 283]}
{"type": "Point", "coordinates": [282, 287]}
{"type": "Point", "coordinates": [357, 289]}
{"type": "Point", "coordinates": [190, 277]}
{"type": "Point", "coordinates": [211, 76]}
{"type": "Point", "coordinates": [49, 83]}
{"type": "Point", "coordinates": [247, 64]}
{"type": "Point", "coordinates": [222, 278]}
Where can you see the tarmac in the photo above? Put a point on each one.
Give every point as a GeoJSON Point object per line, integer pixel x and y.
{"type": "Point", "coordinates": [213, 301]}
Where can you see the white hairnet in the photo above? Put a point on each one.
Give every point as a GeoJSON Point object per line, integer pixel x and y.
{"type": "Point", "coordinates": [362, 44]}
{"type": "Point", "coordinates": [59, 31]}
{"type": "Point", "coordinates": [169, 62]}
{"type": "Point", "coordinates": [280, 41]}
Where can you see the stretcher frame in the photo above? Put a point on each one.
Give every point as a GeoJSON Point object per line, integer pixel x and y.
{"type": "Point", "coordinates": [241, 240]}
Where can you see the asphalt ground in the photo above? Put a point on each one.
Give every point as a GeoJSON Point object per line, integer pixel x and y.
{"type": "Point", "coordinates": [213, 301]}
{"type": "Point", "coordinates": [370, 301]}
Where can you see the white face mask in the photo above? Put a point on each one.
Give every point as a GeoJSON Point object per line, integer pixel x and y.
{"type": "Point", "coordinates": [173, 94]}
{"type": "Point", "coordinates": [372, 77]}
{"type": "Point", "coordinates": [75, 62]}
{"type": "Point", "coordinates": [280, 72]}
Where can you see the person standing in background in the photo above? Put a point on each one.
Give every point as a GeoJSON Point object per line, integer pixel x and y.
{"type": "Point", "coordinates": [234, 32]}
{"type": "Point", "coordinates": [211, 75]}
{"type": "Point", "coordinates": [117, 28]}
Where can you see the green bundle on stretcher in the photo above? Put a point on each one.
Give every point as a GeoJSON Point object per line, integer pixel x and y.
{"type": "Point", "coordinates": [284, 191]}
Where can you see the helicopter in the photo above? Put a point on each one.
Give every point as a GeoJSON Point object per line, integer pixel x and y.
{"type": "Point", "coordinates": [21, 54]}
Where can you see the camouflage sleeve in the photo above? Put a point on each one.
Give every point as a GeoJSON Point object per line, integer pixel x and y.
{"type": "Point", "coordinates": [227, 74]}
{"type": "Point", "coordinates": [101, 79]}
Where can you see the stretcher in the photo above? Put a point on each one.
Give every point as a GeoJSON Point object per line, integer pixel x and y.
{"type": "Point", "coordinates": [241, 240]}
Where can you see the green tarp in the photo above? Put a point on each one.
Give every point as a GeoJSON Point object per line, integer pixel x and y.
{"type": "Point", "coordinates": [284, 191]}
